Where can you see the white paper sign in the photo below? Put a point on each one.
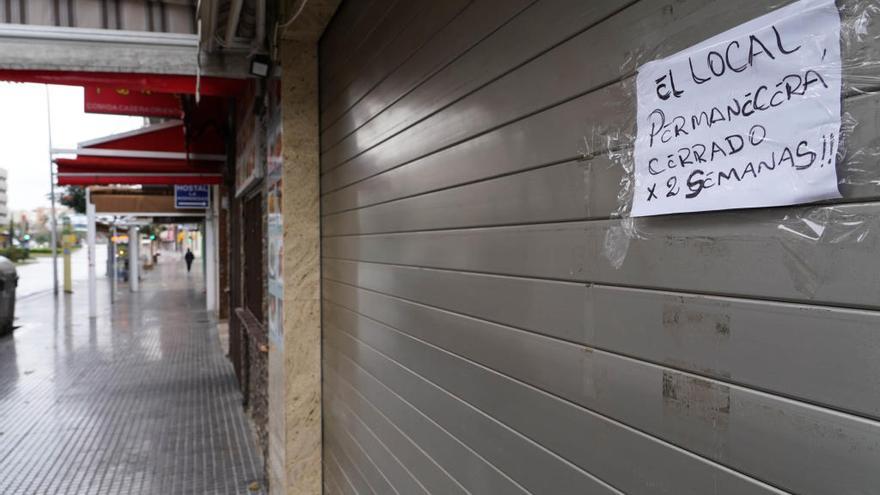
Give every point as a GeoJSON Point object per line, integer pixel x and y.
{"type": "Point", "coordinates": [746, 119]}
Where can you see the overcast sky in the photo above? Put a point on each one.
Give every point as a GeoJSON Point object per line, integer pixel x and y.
{"type": "Point", "coordinates": [23, 135]}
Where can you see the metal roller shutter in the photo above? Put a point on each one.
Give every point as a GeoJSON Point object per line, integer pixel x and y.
{"type": "Point", "coordinates": [491, 326]}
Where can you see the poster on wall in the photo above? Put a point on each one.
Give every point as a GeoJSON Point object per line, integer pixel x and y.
{"type": "Point", "coordinates": [749, 118]}
{"type": "Point", "coordinates": [248, 165]}
{"type": "Point", "coordinates": [275, 269]}
{"type": "Point", "coordinates": [274, 156]}
{"type": "Point", "coordinates": [275, 243]}
{"type": "Point", "coordinates": [275, 222]}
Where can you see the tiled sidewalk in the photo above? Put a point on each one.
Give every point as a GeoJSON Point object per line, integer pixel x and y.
{"type": "Point", "coordinates": [140, 401]}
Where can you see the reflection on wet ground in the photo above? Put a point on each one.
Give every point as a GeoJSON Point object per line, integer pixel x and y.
{"type": "Point", "coordinates": [140, 400]}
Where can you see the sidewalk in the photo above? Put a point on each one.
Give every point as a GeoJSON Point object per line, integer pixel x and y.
{"type": "Point", "coordinates": [35, 276]}
{"type": "Point", "coordinates": [139, 401]}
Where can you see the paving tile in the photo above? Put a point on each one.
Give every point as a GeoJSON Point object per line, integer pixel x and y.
{"type": "Point", "coordinates": [140, 400]}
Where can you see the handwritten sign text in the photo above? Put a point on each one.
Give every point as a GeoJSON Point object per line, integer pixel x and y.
{"type": "Point", "coordinates": [748, 118]}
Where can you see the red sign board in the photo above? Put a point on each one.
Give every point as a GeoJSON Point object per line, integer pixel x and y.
{"type": "Point", "coordinates": [120, 101]}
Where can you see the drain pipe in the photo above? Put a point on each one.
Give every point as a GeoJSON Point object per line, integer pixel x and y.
{"type": "Point", "coordinates": [232, 21]}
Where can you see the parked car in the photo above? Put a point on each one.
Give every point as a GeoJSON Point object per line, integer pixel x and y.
{"type": "Point", "coordinates": [8, 284]}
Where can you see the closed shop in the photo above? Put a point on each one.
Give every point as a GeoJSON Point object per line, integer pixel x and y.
{"type": "Point", "coordinates": [495, 322]}
{"type": "Point", "coordinates": [248, 337]}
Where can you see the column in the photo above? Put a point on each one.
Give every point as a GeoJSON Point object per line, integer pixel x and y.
{"type": "Point", "coordinates": [133, 256]}
{"type": "Point", "coordinates": [300, 362]}
{"type": "Point", "coordinates": [113, 264]}
{"type": "Point", "coordinates": [91, 238]}
{"type": "Point", "coordinates": [210, 259]}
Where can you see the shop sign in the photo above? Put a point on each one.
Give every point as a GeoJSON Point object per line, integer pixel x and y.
{"type": "Point", "coordinates": [192, 197]}
{"type": "Point", "coordinates": [122, 101]}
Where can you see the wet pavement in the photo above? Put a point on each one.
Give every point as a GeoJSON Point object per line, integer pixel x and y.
{"type": "Point", "coordinates": [35, 276]}
{"type": "Point", "coordinates": [140, 400]}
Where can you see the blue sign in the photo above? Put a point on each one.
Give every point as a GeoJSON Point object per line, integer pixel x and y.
{"type": "Point", "coordinates": [192, 197]}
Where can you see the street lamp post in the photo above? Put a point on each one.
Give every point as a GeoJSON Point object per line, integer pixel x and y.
{"type": "Point", "coordinates": [52, 193]}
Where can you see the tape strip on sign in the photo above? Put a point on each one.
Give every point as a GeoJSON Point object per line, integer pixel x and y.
{"type": "Point", "coordinates": [746, 119]}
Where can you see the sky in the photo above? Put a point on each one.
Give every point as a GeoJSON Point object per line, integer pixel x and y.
{"type": "Point", "coordinates": [24, 149]}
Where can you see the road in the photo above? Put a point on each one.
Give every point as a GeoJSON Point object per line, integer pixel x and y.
{"type": "Point", "coordinates": [36, 276]}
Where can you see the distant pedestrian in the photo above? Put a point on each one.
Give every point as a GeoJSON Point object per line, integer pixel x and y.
{"type": "Point", "coordinates": [189, 257]}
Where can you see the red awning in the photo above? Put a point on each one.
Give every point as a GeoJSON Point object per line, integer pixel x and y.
{"type": "Point", "coordinates": [167, 153]}
{"type": "Point", "coordinates": [101, 164]}
{"type": "Point", "coordinates": [124, 101]}
{"type": "Point", "coordinates": [158, 83]}
{"type": "Point", "coordinates": [75, 179]}
{"type": "Point", "coordinates": [202, 138]}
{"type": "Point", "coordinates": [158, 154]}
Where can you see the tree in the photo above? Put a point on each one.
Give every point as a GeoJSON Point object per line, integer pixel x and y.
{"type": "Point", "coordinates": [75, 197]}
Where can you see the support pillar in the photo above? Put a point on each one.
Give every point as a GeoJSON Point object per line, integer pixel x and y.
{"type": "Point", "coordinates": [109, 261]}
{"type": "Point", "coordinates": [67, 243]}
{"type": "Point", "coordinates": [298, 360]}
{"type": "Point", "coordinates": [114, 274]}
{"type": "Point", "coordinates": [210, 257]}
{"type": "Point", "coordinates": [91, 239]}
{"type": "Point", "coordinates": [134, 282]}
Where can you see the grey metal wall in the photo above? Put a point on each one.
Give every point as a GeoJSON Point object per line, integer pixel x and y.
{"type": "Point", "coordinates": [491, 328]}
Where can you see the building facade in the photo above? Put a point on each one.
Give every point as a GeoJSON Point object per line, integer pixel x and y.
{"type": "Point", "coordinates": [466, 303]}
{"type": "Point", "coordinates": [435, 282]}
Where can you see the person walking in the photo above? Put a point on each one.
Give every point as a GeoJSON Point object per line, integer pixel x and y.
{"type": "Point", "coordinates": [189, 257]}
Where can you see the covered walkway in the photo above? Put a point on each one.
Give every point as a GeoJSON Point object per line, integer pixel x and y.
{"type": "Point", "coordinates": [141, 400]}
